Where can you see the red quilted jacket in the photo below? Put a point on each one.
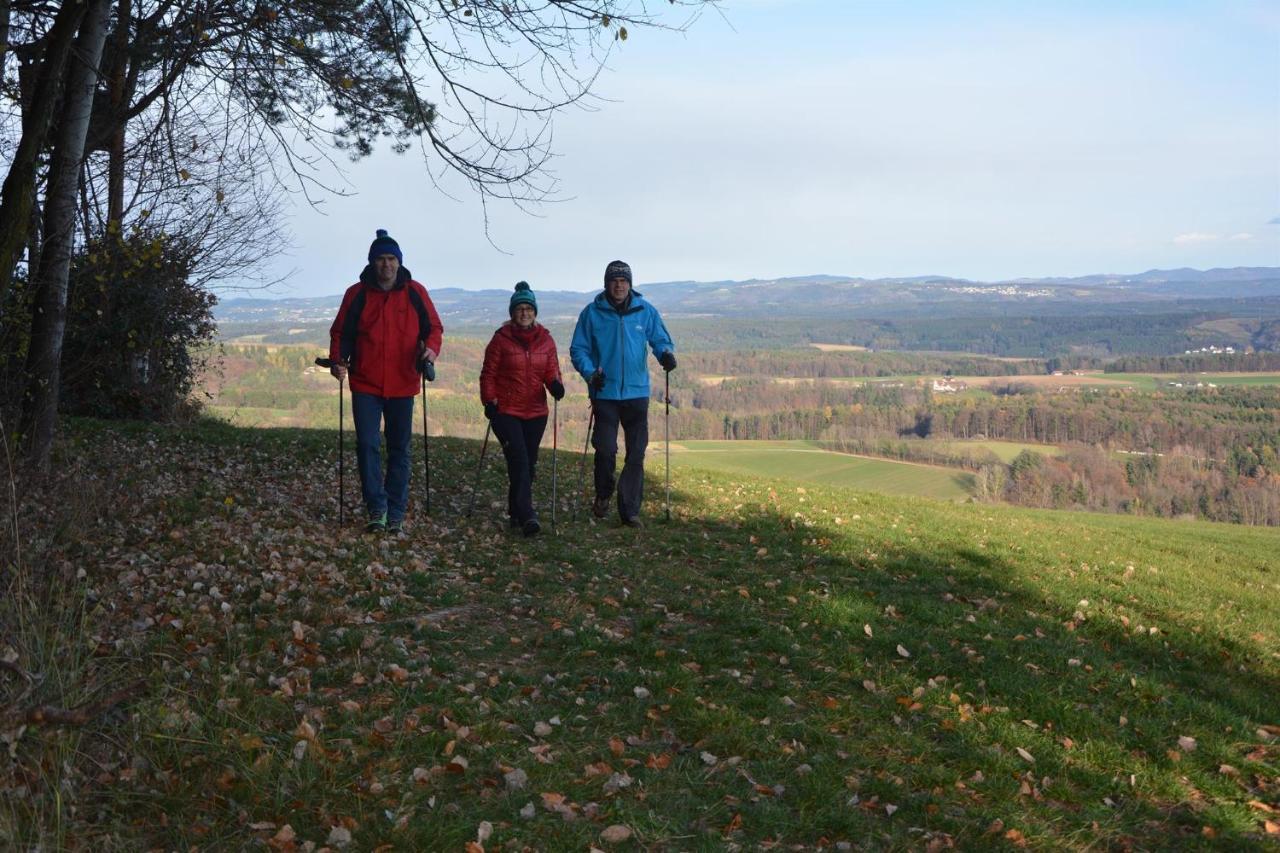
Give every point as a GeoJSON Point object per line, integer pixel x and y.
{"type": "Point", "coordinates": [382, 332]}
{"type": "Point", "coordinates": [517, 367]}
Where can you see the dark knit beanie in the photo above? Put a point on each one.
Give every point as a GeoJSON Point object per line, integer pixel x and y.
{"type": "Point", "coordinates": [384, 245]}
{"type": "Point", "coordinates": [617, 269]}
{"type": "Point", "coordinates": [523, 296]}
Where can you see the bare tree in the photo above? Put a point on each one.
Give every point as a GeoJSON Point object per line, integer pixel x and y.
{"type": "Point", "coordinates": [17, 197]}
{"type": "Point", "coordinates": [473, 85]}
{"type": "Point", "coordinates": [41, 401]}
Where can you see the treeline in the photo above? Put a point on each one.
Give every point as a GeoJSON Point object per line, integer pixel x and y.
{"type": "Point", "coordinates": [814, 364]}
{"type": "Point", "coordinates": [1240, 362]}
{"type": "Point", "coordinates": [1044, 336]}
{"type": "Point", "coordinates": [1169, 485]}
{"type": "Point", "coordinates": [1033, 337]}
{"type": "Point", "coordinates": [1206, 419]}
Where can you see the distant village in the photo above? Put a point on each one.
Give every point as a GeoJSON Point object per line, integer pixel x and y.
{"type": "Point", "coordinates": [1001, 290]}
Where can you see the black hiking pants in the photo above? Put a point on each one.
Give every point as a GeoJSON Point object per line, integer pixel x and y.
{"type": "Point", "coordinates": [520, 439]}
{"type": "Point", "coordinates": [633, 416]}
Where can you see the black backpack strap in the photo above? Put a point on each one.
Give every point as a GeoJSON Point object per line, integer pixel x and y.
{"type": "Point", "coordinates": [424, 319]}
{"type": "Point", "coordinates": [350, 326]}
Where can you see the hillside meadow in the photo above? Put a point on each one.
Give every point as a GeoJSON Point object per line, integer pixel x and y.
{"type": "Point", "coordinates": [199, 656]}
{"type": "Point", "coordinates": [806, 462]}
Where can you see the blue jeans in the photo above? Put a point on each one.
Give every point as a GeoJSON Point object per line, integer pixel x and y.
{"type": "Point", "coordinates": [391, 495]}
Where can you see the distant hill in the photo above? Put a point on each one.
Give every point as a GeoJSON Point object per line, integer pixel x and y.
{"type": "Point", "coordinates": [825, 296]}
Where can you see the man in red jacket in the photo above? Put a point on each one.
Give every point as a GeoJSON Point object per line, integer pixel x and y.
{"type": "Point", "coordinates": [386, 333]}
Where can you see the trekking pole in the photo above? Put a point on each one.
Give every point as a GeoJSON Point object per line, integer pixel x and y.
{"type": "Point", "coordinates": [555, 443]}
{"type": "Point", "coordinates": [667, 428]}
{"type": "Point", "coordinates": [428, 375]}
{"type": "Point", "coordinates": [329, 363]}
{"type": "Point", "coordinates": [479, 467]}
{"type": "Point", "coordinates": [582, 468]}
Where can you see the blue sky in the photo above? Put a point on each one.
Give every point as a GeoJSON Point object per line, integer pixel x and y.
{"type": "Point", "coordinates": [788, 137]}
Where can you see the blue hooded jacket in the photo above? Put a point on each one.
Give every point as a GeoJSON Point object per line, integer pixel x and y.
{"type": "Point", "coordinates": [614, 342]}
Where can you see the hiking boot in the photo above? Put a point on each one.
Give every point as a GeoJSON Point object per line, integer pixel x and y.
{"type": "Point", "coordinates": [394, 527]}
{"type": "Point", "coordinates": [531, 527]}
{"type": "Point", "coordinates": [600, 507]}
{"type": "Point", "coordinates": [633, 521]}
{"type": "Point", "coordinates": [377, 524]}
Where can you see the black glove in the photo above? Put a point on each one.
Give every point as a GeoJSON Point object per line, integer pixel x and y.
{"type": "Point", "coordinates": [597, 381]}
{"type": "Point", "coordinates": [557, 389]}
{"type": "Point", "coordinates": [668, 361]}
{"type": "Point", "coordinates": [491, 409]}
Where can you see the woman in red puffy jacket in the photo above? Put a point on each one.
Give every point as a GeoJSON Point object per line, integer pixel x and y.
{"type": "Point", "coordinates": [519, 362]}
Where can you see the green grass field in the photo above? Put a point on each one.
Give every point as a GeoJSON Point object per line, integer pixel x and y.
{"type": "Point", "coordinates": [1005, 451]}
{"type": "Point", "coordinates": [775, 668]}
{"type": "Point", "coordinates": [803, 461]}
{"type": "Point", "coordinates": [1160, 381]}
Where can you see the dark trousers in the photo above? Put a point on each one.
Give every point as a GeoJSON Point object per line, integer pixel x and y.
{"type": "Point", "coordinates": [633, 416]}
{"type": "Point", "coordinates": [520, 439]}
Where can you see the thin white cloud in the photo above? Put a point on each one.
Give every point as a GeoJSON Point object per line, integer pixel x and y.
{"type": "Point", "coordinates": [1194, 238]}
{"type": "Point", "coordinates": [1243, 235]}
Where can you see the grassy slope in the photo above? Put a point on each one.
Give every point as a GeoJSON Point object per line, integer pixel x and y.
{"type": "Point", "coordinates": [1005, 451]}
{"type": "Point", "coordinates": [800, 665]}
{"type": "Point", "coordinates": [804, 461]}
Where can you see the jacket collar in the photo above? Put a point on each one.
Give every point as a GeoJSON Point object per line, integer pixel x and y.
{"type": "Point", "coordinates": [536, 332]}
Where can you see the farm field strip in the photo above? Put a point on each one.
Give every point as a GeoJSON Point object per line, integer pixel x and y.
{"type": "Point", "coordinates": [801, 461]}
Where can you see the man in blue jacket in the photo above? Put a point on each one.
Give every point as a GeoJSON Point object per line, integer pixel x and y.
{"type": "Point", "coordinates": [608, 349]}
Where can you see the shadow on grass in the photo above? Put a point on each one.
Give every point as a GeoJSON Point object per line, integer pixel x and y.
{"type": "Point", "coordinates": [1004, 655]}
{"type": "Point", "coordinates": [983, 702]}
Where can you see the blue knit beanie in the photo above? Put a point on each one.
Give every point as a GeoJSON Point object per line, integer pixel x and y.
{"type": "Point", "coordinates": [523, 296]}
{"type": "Point", "coordinates": [384, 245]}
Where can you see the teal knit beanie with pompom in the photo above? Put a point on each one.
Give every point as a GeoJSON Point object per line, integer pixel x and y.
{"type": "Point", "coordinates": [523, 296]}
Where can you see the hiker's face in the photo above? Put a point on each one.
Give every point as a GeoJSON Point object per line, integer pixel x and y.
{"type": "Point", "coordinates": [524, 315]}
{"type": "Point", "coordinates": [386, 266]}
{"type": "Point", "coordinates": [619, 287]}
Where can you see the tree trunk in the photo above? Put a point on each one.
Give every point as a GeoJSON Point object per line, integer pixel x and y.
{"type": "Point", "coordinates": [5, 6]}
{"type": "Point", "coordinates": [119, 100]}
{"type": "Point", "coordinates": [50, 317]}
{"type": "Point", "coordinates": [17, 198]}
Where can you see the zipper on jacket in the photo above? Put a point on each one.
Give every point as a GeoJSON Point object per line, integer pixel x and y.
{"type": "Point", "coordinates": [622, 357]}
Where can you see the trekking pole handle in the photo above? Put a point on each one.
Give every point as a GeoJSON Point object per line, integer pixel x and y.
{"type": "Point", "coordinates": [324, 362]}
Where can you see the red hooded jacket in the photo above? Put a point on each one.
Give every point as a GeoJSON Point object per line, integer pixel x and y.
{"type": "Point", "coordinates": [380, 334]}
{"type": "Point", "coordinates": [517, 367]}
